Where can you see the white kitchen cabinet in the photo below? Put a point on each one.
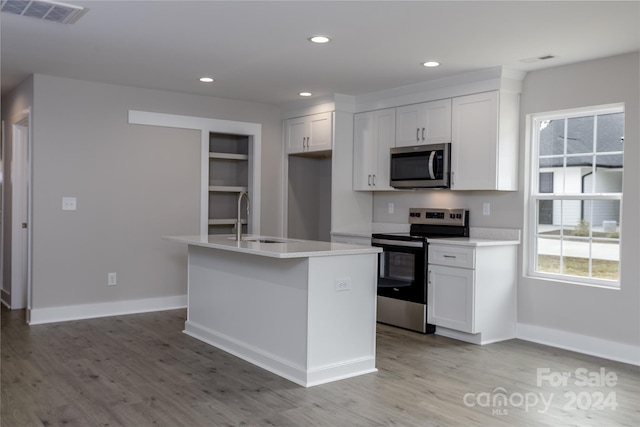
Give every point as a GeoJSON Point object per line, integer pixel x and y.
{"type": "Point", "coordinates": [471, 291]}
{"type": "Point", "coordinates": [309, 133]}
{"type": "Point", "coordinates": [426, 123]}
{"type": "Point", "coordinates": [373, 137]}
{"type": "Point", "coordinates": [484, 142]}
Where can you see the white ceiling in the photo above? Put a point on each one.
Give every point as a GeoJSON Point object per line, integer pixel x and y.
{"type": "Point", "coordinates": [259, 50]}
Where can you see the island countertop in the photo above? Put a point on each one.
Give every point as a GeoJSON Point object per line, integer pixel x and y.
{"type": "Point", "coordinates": [278, 248]}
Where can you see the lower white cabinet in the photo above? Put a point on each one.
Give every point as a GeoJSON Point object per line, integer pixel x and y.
{"type": "Point", "coordinates": [471, 291]}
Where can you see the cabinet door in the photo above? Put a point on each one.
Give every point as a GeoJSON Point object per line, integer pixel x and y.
{"type": "Point", "coordinates": [451, 297]}
{"type": "Point", "coordinates": [320, 132]}
{"type": "Point", "coordinates": [437, 122]}
{"type": "Point", "coordinates": [384, 138]}
{"type": "Point", "coordinates": [363, 150]}
{"type": "Point", "coordinates": [373, 137]}
{"type": "Point", "coordinates": [296, 134]}
{"type": "Point", "coordinates": [426, 123]}
{"type": "Point", "coordinates": [408, 124]}
{"type": "Point", "coordinates": [474, 143]}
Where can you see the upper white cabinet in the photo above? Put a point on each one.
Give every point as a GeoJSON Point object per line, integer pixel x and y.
{"type": "Point", "coordinates": [426, 123]}
{"type": "Point", "coordinates": [373, 136]}
{"type": "Point", "coordinates": [484, 142]}
{"type": "Point", "coordinates": [309, 133]}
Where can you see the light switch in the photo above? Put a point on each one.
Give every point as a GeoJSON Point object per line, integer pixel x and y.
{"type": "Point", "coordinates": [69, 203]}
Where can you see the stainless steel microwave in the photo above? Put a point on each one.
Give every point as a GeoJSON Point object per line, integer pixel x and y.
{"type": "Point", "coordinates": [421, 166]}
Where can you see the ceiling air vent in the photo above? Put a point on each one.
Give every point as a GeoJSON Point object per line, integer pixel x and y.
{"type": "Point", "coordinates": [43, 9]}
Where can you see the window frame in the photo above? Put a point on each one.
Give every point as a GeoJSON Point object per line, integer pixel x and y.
{"type": "Point", "coordinates": [534, 195]}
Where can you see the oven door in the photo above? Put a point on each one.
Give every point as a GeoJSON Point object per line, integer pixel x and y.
{"type": "Point", "coordinates": [402, 270]}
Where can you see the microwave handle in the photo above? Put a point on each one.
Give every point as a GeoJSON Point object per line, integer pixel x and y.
{"type": "Point", "coordinates": [431, 158]}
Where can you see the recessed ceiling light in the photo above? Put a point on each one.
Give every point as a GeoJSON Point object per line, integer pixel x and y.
{"type": "Point", "coordinates": [305, 94]}
{"type": "Point", "coordinates": [319, 39]}
{"type": "Point", "coordinates": [206, 79]}
{"type": "Point", "coordinates": [431, 64]}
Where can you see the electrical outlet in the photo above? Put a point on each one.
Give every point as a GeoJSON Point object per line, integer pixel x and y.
{"type": "Point", "coordinates": [390, 208]}
{"type": "Point", "coordinates": [343, 284]}
{"type": "Point", "coordinates": [69, 203]}
{"type": "Point", "coordinates": [112, 279]}
{"type": "Point", "coordinates": [486, 209]}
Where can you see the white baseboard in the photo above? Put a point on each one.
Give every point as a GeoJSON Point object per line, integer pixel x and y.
{"type": "Point", "coordinates": [598, 347]}
{"type": "Point", "coordinates": [38, 316]}
{"type": "Point", "coordinates": [284, 368]}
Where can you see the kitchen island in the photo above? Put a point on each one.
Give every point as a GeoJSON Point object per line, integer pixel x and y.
{"type": "Point", "coordinates": [301, 309]}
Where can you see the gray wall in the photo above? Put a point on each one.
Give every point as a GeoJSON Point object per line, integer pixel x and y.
{"type": "Point", "coordinates": [309, 198]}
{"type": "Point", "coordinates": [604, 313]}
{"type": "Point", "coordinates": [608, 314]}
{"type": "Point", "coordinates": [134, 184]}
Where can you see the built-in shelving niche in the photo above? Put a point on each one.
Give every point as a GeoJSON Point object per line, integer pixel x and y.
{"type": "Point", "coordinates": [228, 176]}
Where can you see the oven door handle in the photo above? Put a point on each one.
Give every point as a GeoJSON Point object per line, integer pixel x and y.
{"type": "Point", "coordinates": [402, 243]}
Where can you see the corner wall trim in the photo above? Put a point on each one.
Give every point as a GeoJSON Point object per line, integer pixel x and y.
{"type": "Point", "coordinates": [612, 350]}
{"type": "Point", "coordinates": [106, 309]}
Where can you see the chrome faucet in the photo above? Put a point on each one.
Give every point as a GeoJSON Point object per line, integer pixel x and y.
{"type": "Point", "coordinates": [239, 220]}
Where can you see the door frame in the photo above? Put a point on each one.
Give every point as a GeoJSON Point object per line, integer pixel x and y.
{"type": "Point", "coordinates": [21, 212]}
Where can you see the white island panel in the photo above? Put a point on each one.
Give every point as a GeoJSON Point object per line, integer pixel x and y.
{"type": "Point", "coordinates": [342, 323]}
{"type": "Point", "coordinates": [290, 315]}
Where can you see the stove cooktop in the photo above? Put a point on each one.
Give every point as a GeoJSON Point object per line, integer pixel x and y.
{"type": "Point", "coordinates": [428, 222]}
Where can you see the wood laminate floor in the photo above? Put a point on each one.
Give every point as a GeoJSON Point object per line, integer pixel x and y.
{"type": "Point", "coordinates": [141, 370]}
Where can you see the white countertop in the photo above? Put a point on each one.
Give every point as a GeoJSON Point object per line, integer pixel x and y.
{"type": "Point", "coordinates": [292, 248]}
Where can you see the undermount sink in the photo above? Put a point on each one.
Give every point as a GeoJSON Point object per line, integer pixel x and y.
{"type": "Point", "coordinates": [266, 240]}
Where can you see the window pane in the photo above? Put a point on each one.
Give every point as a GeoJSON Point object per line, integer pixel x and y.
{"type": "Point", "coordinates": [604, 215]}
{"type": "Point", "coordinates": [605, 259]}
{"type": "Point", "coordinates": [580, 135]}
{"type": "Point", "coordinates": [611, 161]}
{"type": "Point", "coordinates": [610, 132]}
{"type": "Point", "coordinates": [548, 259]}
{"type": "Point", "coordinates": [551, 162]}
{"type": "Point", "coordinates": [551, 137]}
{"type": "Point", "coordinates": [580, 161]}
{"type": "Point", "coordinates": [545, 182]}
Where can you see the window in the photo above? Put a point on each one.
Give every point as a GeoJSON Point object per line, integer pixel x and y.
{"type": "Point", "coordinates": [576, 195]}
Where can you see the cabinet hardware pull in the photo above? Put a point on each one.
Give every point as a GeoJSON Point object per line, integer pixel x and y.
{"type": "Point", "coordinates": [374, 180]}
{"type": "Point", "coordinates": [429, 277]}
{"type": "Point", "coordinates": [418, 134]}
{"type": "Point", "coordinates": [449, 256]}
{"type": "Point", "coordinates": [369, 180]}
{"type": "Point", "coordinates": [423, 134]}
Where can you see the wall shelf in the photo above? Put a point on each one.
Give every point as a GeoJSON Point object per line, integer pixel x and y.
{"type": "Point", "coordinates": [225, 221]}
{"type": "Point", "coordinates": [228, 164]}
{"type": "Point", "coordinates": [227, 188]}
{"type": "Point", "coordinates": [228, 156]}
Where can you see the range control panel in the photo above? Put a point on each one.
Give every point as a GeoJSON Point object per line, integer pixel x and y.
{"type": "Point", "coordinates": [438, 216]}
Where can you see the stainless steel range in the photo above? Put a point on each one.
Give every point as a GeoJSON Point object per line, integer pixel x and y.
{"type": "Point", "coordinates": [402, 265]}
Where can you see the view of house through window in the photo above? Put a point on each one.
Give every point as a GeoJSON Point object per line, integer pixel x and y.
{"type": "Point", "coordinates": [576, 195]}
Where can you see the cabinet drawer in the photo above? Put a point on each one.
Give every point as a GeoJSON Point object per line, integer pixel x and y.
{"type": "Point", "coordinates": [454, 256]}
